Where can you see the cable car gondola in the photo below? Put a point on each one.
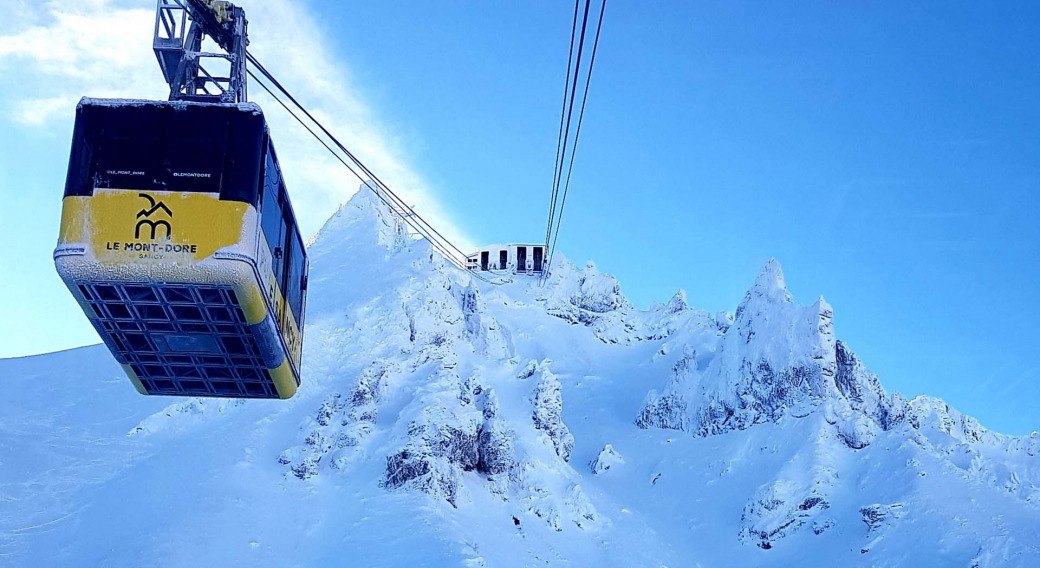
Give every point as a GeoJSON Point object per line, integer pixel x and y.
{"type": "Point", "coordinates": [177, 235]}
{"type": "Point", "coordinates": [180, 244]}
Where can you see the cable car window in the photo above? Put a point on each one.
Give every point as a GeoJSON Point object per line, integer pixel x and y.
{"type": "Point", "coordinates": [135, 148]}
{"type": "Point", "coordinates": [163, 147]}
{"type": "Point", "coordinates": [246, 141]}
{"type": "Point", "coordinates": [272, 173]}
{"type": "Point", "coordinates": [284, 243]}
{"type": "Point", "coordinates": [271, 221]}
{"type": "Point", "coordinates": [157, 163]}
{"type": "Point", "coordinates": [295, 276]}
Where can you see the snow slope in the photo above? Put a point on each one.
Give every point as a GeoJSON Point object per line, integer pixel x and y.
{"type": "Point", "coordinates": [444, 421]}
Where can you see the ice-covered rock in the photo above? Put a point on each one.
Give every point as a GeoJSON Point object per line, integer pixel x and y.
{"type": "Point", "coordinates": [548, 414]}
{"type": "Point", "coordinates": [934, 415]}
{"type": "Point", "coordinates": [182, 415]}
{"type": "Point", "coordinates": [796, 496]}
{"type": "Point", "coordinates": [597, 293]}
{"type": "Point", "coordinates": [724, 320]}
{"type": "Point", "coordinates": [594, 299]}
{"type": "Point", "coordinates": [777, 512]}
{"type": "Point", "coordinates": [335, 433]}
{"type": "Point", "coordinates": [879, 516]}
{"type": "Point", "coordinates": [483, 331]}
{"type": "Point", "coordinates": [495, 440]}
{"type": "Point", "coordinates": [776, 357]}
{"type": "Point", "coordinates": [584, 296]}
{"type": "Point", "coordinates": [819, 526]}
{"type": "Point", "coordinates": [860, 387]}
{"type": "Point", "coordinates": [608, 458]}
{"type": "Point", "coordinates": [528, 370]}
{"type": "Point", "coordinates": [442, 441]}
{"type": "Point", "coordinates": [669, 410]}
{"type": "Point", "coordinates": [856, 430]}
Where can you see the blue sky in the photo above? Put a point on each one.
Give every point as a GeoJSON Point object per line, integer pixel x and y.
{"type": "Point", "coordinates": [888, 154]}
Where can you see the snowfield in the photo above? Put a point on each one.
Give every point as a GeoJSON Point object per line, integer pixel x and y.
{"type": "Point", "coordinates": [443, 421]}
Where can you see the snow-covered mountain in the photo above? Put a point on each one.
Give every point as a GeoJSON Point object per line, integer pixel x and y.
{"type": "Point", "coordinates": [444, 421]}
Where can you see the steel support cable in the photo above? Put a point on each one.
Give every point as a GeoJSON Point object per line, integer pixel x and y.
{"type": "Point", "coordinates": [424, 229]}
{"type": "Point", "coordinates": [411, 213]}
{"type": "Point", "coordinates": [433, 242]}
{"type": "Point", "coordinates": [559, 137]}
{"type": "Point", "coordinates": [570, 112]}
{"type": "Point", "coordinates": [558, 174]}
{"type": "Point", "coordinates": [331, 151]}
{"type": "Point", "coordinates": [399, 205]}
{"type": "Point", "coordinates": [316, 137]}
{"type": "Point", "coordinates": [577, 132]}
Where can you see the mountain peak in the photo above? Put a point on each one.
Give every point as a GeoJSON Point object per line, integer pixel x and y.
{"type": "Point", "coordinates": [769, 288]}
{"type": "Point", "coordinates": [363, 216]}
{"type": "Point", "coordinates": [770, 279]}
{"type": "Point", "coordinates": [678, 302]}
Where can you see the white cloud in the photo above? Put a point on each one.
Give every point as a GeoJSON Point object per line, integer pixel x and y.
{"type": "Point", "coordinates": [102, 48]}
{"type": "Point", "coordinates": [37, 112]}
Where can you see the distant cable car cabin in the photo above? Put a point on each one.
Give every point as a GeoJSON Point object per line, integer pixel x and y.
{"type": "Point", "coordinates": [179, 243]}
{"type": "Point", "coordinates": [515, 259]}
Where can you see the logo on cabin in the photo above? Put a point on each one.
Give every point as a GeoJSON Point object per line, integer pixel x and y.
{"type": "Point", "coordinates": [153, 236]}
{"type": "Point", "coordinates": [156, 206]}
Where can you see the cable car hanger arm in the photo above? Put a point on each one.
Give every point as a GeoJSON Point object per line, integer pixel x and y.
{"type": "Point", "coordinates": [180, 26]}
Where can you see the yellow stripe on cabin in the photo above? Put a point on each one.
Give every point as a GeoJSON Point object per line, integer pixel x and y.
{"type": "Point", "coordinates": [284, 380]}
{"type": "Point", "coordinates": [252, 300]}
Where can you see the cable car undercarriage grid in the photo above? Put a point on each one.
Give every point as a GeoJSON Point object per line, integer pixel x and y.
{"type": "Point", "coordinates": [186, 340]}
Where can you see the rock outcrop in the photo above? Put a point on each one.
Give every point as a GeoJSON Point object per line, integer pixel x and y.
{"type": "Point", "coordinates": [548, 414]}
{"type": "Point", "coordinates": [774, 358]}
{"type": "Point", "coordinates": [607, 459]}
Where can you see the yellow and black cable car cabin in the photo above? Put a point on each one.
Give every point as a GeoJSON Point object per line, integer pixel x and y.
{"type": "Point", "coordinates": [179, 242]}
